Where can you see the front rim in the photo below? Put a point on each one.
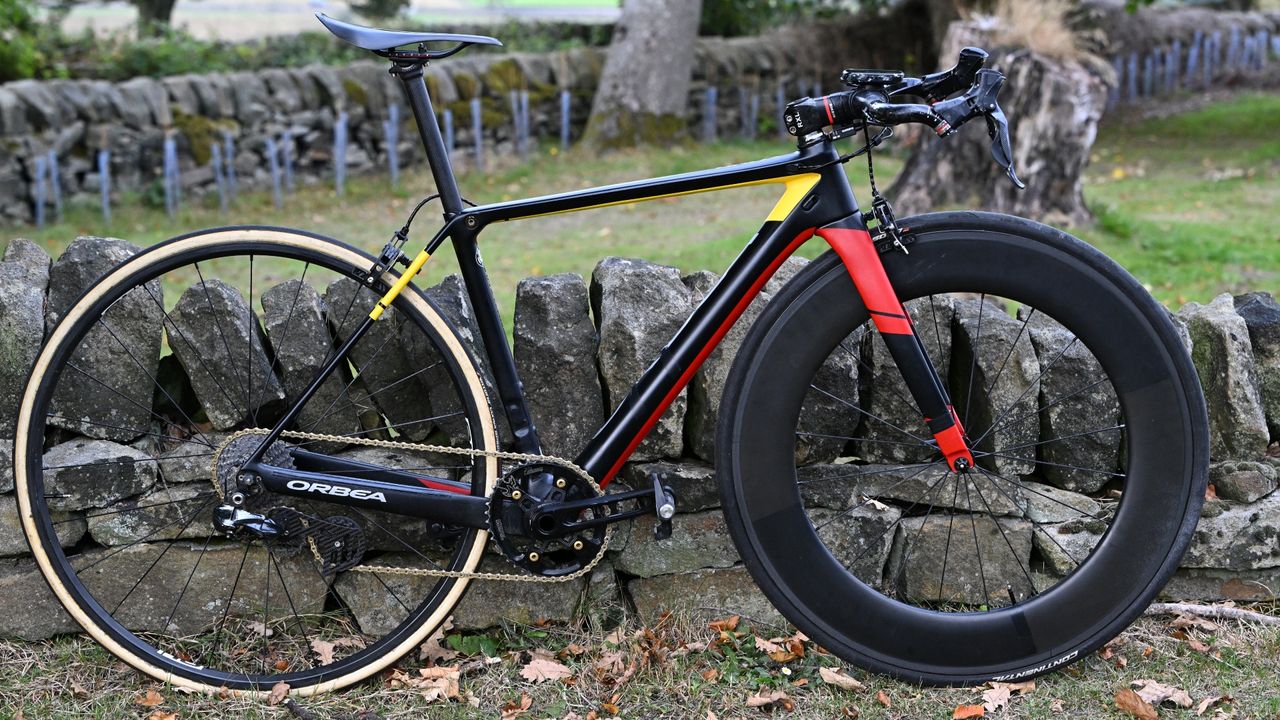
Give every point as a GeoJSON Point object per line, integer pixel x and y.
{"type": "Point", "coordinates": [71, 583]}
{"type": "Point", "coordinates": [930, 640]}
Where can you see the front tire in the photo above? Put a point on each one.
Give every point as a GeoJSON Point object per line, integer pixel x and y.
{"type": "Point", "coordinates": [796, 456]}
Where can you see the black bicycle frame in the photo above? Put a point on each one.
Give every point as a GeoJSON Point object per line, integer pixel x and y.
{"type": "Point", "coordinates": [817, 200]}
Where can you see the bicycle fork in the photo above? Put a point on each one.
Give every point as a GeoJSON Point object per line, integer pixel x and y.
{"type": "Point", "coordinates": [851, 241]}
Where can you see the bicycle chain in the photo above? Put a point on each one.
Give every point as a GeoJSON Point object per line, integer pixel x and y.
{"type": "Point", "coordinates": [443, 449]}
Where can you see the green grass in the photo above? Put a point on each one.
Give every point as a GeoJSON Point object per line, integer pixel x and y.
{"type": "Point", "coordinates": [1188, 203]}
{"type": "Point", "coordinates": [675, 671]}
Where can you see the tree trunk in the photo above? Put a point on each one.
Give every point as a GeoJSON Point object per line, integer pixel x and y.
{"type": "Point", "coordinates": [1053, 108]}
{"type": "Point", "coordinates": [154, 15]}
{"type": "Point", "coordinates": [644, 87]}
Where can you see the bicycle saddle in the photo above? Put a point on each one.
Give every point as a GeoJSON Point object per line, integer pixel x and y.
{"type": "Point", "coordinates": [377, 40]}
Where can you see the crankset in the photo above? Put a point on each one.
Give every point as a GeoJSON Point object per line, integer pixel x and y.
{"type": "Point", "coordinates": [551, 523]}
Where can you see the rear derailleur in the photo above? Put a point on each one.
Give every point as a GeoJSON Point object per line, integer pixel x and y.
{"type": "Point", "coordinates": [552, 523]}
{"type": "Point", "coordinates": [338, 542]}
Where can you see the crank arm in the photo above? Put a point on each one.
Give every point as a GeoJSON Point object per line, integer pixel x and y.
{"type": "Point", "coordinates": [447, 507]}
{"type": "Point", "coordinates": [660, 501]}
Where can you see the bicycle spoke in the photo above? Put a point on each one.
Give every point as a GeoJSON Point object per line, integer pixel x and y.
{"type": "Point", "coordinates": [190, 423]}
{"type": "Point", "coordinates": [864, 504]}
{"type": "Point", "coordinates": [1037, 492]}
{"type": "Point", "coordinates": [1012, 553]}
{"type": "Point", "coordinates": [1012, 347]}
{"type": "Point", "coordinates": [82, 518]}
{"type": "Point", "coordinates": [187, 584]}
{"type": "Point", "coordinates": [271, 556]}
{"type": "Point", "coordinates": [977, 547]}
{"type": "Point", "coordinates": [973, 361]}
{"type": "Point", "coordinates": [251, 335]}
{"type": "Point", "coordinates": [1046, 532]}
{"type": "Point", "coordinates": [169, 326]}
{"type": "Point", "coordinates": [155, 562]}
{"type": "Point", "coordinates": [391, 426]}
{"type": "Point", "coordinates": [911, 546]}
{"type": "Point", "coordinates": [146, 537]}
{"type": "Point", "coordinates": [1053, 464]}
{"type": "Point", "coordinates": [1038, 410]}
{"type": "Point", "coordinates": [1063, 438]}
{"type": "Point", "coordinates": [222, 334]}
{"type": "Point", "coordinates": [877, 418]}
{"type": "Point", "coordinates": [946, 551]}
{"type": "Point", "coordinates": [226, 610]}
{"type": "Point", "coordinates": [1034, 385]}
{"type": "Point", "coordinates": [868, 440]}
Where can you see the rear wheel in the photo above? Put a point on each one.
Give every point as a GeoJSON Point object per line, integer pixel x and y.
{"type": "Point", "coordinates": [1089, 436]}
{"type": "Point", "coordinates": [147, 397]}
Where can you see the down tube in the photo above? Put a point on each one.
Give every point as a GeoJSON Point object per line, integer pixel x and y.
{"type": "Point", "coordinates": [675, 365]}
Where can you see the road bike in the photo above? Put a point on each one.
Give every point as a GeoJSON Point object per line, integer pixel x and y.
{"type": "Point", "coordinates": [955, 448]}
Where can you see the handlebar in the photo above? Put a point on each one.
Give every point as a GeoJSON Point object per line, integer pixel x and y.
{"type": "Point", "coordinates": [869, 102]}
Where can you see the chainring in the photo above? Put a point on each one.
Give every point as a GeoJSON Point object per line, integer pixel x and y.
{"type": "Point", "coordinates": [513, 503]}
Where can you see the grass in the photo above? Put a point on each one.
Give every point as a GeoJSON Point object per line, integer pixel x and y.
{"type": "Point", "coordinates": [675, 670]}
{"type": "Point", "coordinates": [1185, 203]}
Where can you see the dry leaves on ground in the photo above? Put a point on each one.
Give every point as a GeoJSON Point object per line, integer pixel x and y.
{"type": "Point", "coordinates": [883, 698]}
{"type": "Point", "coordinates": [1209, 702]}
{"type": "Point", "coordinates": [965, 712]}
{"type": "Point", "coordinates": [770, 699]}
{"type": "Point", "coordinates": [998, 694]}
{"type": "Point", "coordinates": [279, 692]}
{"type": "Point", "coordinates": [541, 669]}
{"type": "Point", "coordinates": [434, 650]}
{"type": "Point", "coordinates": [1158, 693]}
{"type": "Point", "coordinates": [150, 698]}
{"type": "Point", "coordinates": [1132, 704]}
{"type": "Point", "coordinates": [162, 715]}
{"type": "Point", "coordinates": [833, 676]}
{"type": "Point", "coordinates": [516, 708]}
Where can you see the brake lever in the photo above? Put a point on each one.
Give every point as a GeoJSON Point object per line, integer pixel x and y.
{"type": "Point", "coordinates": [988, 86]}
{"type": "Point", "coordinates": [1001, 148]}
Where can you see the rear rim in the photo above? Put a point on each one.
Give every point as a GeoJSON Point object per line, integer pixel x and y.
{"type": "Point", "coordinates": [142, 568]}
{"type": "Point", "coordinates": [1068, 522]}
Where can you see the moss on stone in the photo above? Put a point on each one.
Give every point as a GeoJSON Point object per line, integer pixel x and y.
{"type": "Point", "coordinates": [468, 85]}
{"type": "Point", "coordinates": [504, 76]}
{"type": "Point", "coordinates": [355, 92]}
{"type": "Point", "coordinates": [623, 129]}
{"type": "Point", "coordinates": [201, 133]}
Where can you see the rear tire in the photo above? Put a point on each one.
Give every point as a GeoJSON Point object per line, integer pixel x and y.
{"type": "Point", "coordinates": [888, 614]}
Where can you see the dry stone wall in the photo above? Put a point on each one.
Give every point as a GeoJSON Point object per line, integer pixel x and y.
{"type": "Point", "coordinates": [579, 345]}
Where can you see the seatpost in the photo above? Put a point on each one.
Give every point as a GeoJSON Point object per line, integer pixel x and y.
{"type": "Point", "coordinates": [415, 91]}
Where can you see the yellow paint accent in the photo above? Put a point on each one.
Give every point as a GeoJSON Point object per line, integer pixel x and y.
{"type": "Point", "coordinates": [798, 186]}
{"type": "Point", "coordinates": [808, 180]}
{"type": "Point", "coordinates": [400, 285]}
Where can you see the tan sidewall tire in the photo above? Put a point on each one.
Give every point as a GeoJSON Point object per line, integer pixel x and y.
{"type": "Point", "coordinates": [199, 241]}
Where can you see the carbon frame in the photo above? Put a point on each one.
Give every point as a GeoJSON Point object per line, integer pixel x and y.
{"type": "Point", "coordinates": [817, 200]}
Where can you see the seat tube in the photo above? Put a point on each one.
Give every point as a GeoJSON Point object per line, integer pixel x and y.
{"type": "Point", "coordinates": [415, 92]}
{"type": "Point", "coordinates": [851, 241]}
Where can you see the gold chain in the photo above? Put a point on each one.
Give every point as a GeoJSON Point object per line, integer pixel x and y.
{"type": "Point", "coordinates": [443, 449]}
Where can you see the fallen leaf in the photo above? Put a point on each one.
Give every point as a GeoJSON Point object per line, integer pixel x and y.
{"type": "Point", "coordinates": [150, 698]}
{"type": "Point", "coordinates": [259, 629]}
{"type": "Point", "coordinates": [1207, 702]}
{"type": "Point", "coordinates": [728, 624]}
{"type": "Point", "coordinates": [998, 694]}
{"type": "Point", "coordinates": [1193, 622]}
{"type": "Point", "coordinates": [1122, 662]}
{"type": "Point", "coordinates": [571, 650]}
{"type": "Point", "coordinates": [610, 663]}
{"type": "Point", "coordinates": [1132, 704]}
{"type": "Point", "coordinates": [883, 698]}
{"type": "Point", "coordinates": [1210, 492]}
{"type": "Point", "coordinates": [851, 713]}
{"type": "Point", "coordinates": [162, 715]}
{"type": "Point", "coordinates": [767, 646]}
{"type": "Point", "coordinates": [770, 699]}
{"type": "Point", "coordinates": [995, 698]}
{"type": "Point", "coordinates": [323, 650]}
{"type": "Point", "coordinates": [279, 692]}
{"type": "Point", "coordinates": [433, 650]}
{"type": "Point", "coordinates": [1197, 646]}
{"type": "Point", "coordinates": [78, 690]}
{"type": "Point", "coordinates": [438, 683]}
{"type": "Point", "coordinates": [515, 708]}
{"type": "Point", "coordinates": [832, 676]}
{"type": "Point", "coordinates": [710, 674]}
{"type": "Point", "coordinates": [963, 712]}
{"type": "Point", "coordinates": [1158, 693]}
{"type": "Point", "coordinates": [541, 669]}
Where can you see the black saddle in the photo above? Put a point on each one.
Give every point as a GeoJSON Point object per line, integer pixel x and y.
{"type": "Point", "coordinates": [385, 42]}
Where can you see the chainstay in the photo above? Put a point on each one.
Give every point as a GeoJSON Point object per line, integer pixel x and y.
{"type": "Point", "coordinates": [442, 449]}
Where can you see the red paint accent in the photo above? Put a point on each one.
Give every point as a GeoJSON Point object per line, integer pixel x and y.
{"type": "Point", "coordinates": [445, 487]}
{"type": "Point", "coordinates": [952, 442]}
{"type": "Point", "coordinates": [862, 260]}
{"type": "Point", "coordinates": [830, 115]}
{"type": "Point", "coordinates": [706, 351]}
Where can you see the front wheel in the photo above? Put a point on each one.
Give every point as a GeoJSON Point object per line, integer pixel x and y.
{"type": "Point", "coordinates": [1089, 436]}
